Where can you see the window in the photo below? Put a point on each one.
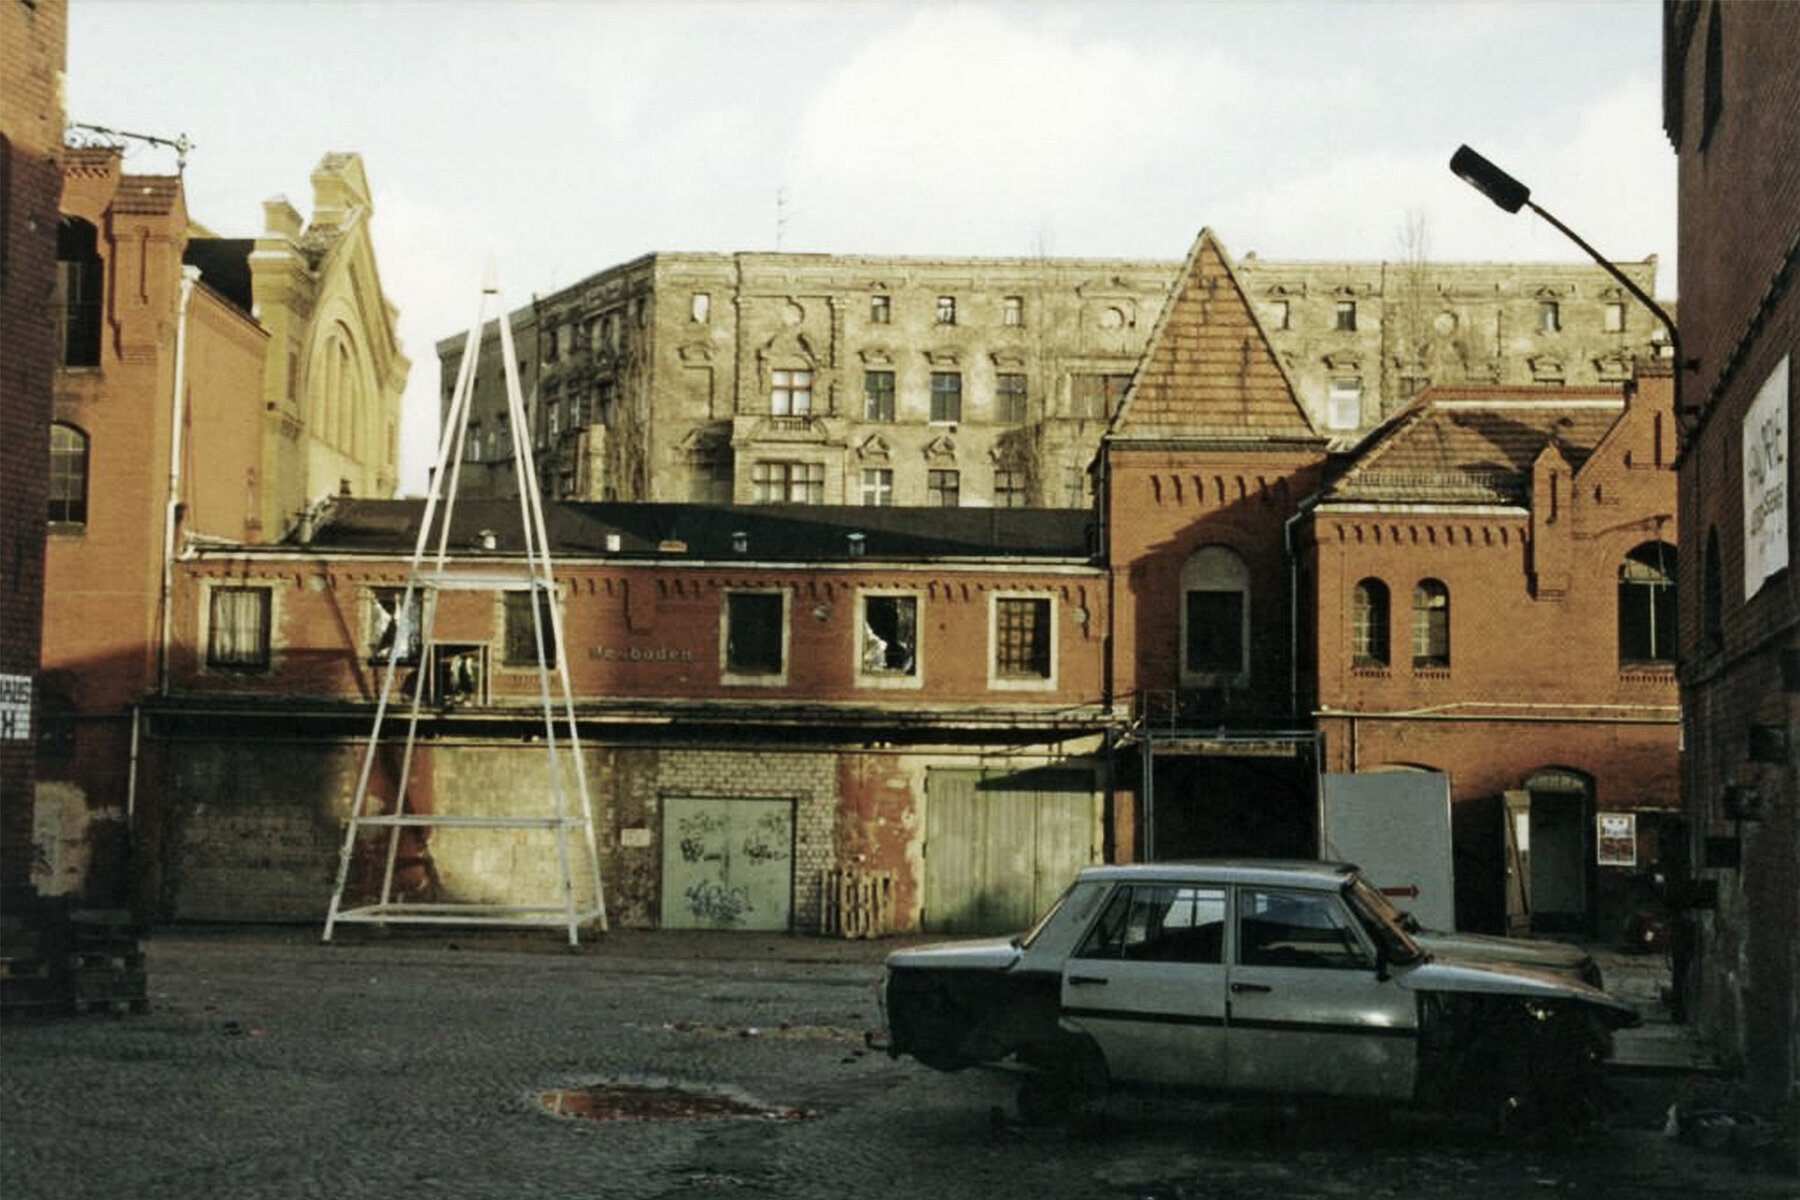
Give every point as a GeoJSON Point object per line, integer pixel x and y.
{"type": "Point", "coordinates": [943, 489]}
{"type": "Point", "coordinates": [1431, 625]}
{"type": "Point", "coordinates": [755, 634]}
{"type": "Point", "coordinates": [1369, 624]}
{"type": "Point", "coordinates": [68, 475]}
{"type": "Point", "coordinates": [1009, 489]}
{"type": "Point", "coordinates": [390, 626]}
{"type": "Point", "coordinates": [946, 310]}
{"type": "Point", "coordinates": [881, 310]}
{"type": "Point", "coordinates": [237, 637]}
{"type": "Point", "coordinates": [1346, 316]}
{"type": "Point", "coordinates": [1281, 315]}
{"type": "Point", "coordinates": [1647, 605]}
{"type": "Point", "coordinates": [701, 307]}
{"type": "Point", "coordinates": [1009, 399]}
{"type": "Point", "coordinates": [1215, 584]}
{"type": "Point", "coordinates": [1096, 397]}
{"type": "Point", "coordinates": [550, 346]}
{"type": "Point", "coordinates": [605, 393]}
{"type": "Point", "coordinates": [1612, 317]}
{"type": "Point", "coordinates": [80, 277]}
{"type": "Point", "coordinates": [790, 393]}
{"type": "Point", "coordinates": [522, 632]}
{"type": "Point", "coordinates": [1297, 929]}
{"type": "Point", "coordinates": [1549, 316]}
{"type": "Point", "coordinates": [1160, 923]}
{"type": "Point", "coordinates": [472, 448]}
{"type": "Point", "coordinates": [878, 395]}
{"type": "Point", "coordinates": [1343, 405]}
{"type": "Point", "coordinates": [890, 632]}
{"type": "Point", "coordinates": [788, 483]}
{"type": "Point", "coordinates": [1022, 648]}
{"type": "Point", "coordinates": [877, 486]}
{"type": "Point", "coordinates": [1075, 487]}
{"type": "Point", "coordinates": [1012, 310]}
{"type": "Point", "coordinates": [946, 396]}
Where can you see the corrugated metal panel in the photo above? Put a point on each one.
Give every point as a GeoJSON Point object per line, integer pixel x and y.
{"type": "Point", "coordinates": [999, 845]}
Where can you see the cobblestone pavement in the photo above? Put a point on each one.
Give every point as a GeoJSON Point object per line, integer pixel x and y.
{"type": "Point", "coordinates": [273, 1066]}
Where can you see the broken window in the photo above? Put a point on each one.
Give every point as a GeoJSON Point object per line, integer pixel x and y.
{"type": "Point", "coordinates": [237, 637]}
{"type": "Point", "coordinates": [394, 621]}
{"type": "Point", "coordinates": [890, 635]}
{"type": "Point", "coordinates": [753, 633]}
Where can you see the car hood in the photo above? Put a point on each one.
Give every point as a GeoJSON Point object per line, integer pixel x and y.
{"type": "Point", "coordinates": [985, 954]}
{"type": "Point", "coordinates": [1450, 975]}
{"type": "Point", "coordinates": [1480, 947]}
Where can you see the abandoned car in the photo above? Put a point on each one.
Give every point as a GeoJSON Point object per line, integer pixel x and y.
{"type": "Point", "coordinates": [1283, 978]}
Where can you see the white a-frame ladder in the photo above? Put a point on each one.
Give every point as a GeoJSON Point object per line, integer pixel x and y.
{"type": "Point", "coordinates": [430, 574]}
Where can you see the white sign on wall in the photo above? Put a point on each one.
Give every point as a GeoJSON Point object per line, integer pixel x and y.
{"type": "Point", "coordinates": [1766, 481]}
{"type": "Point", "coordinates": [15, 708]}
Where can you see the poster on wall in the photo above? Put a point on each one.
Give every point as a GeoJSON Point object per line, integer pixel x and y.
{"type": "Point", "coordinates": [1616, 845]}
{"type": "Point", "coordinates": [1766, 481]}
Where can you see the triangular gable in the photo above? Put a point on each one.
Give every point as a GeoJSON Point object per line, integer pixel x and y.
{"type": "Point", "coordinates": [1208, 370]}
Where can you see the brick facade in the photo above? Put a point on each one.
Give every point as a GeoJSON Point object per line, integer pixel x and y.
{"type": "Point", "coordinates": [1731, 94]}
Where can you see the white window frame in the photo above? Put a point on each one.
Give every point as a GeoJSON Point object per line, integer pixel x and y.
{"type": "Point", "coordinates": [1343, 402]}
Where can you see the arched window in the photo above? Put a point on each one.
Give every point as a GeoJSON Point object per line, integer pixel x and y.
{"type": "Point", "coordinates": [1712, 598]}
{"type": "Point", "coordinates": [1369, 624]}
{"type": "Point", "coordinates": [68, 475]}
{"type": "Point", "coordinates": [1215, 615]}
{"type": "Point", "coordinates": [1431, 624]}
{"type": "Point", "coordinates": [1647, 604]}
{"type": "Point", "coordinates": [80, 274]}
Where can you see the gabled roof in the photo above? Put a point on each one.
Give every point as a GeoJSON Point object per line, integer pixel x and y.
{"type": "Point", "coordinates": [786, 533]}
{"type": "Point", "coordinates": [1476, 445]}
{"type": "Point", "coordinates": [1208, 373]}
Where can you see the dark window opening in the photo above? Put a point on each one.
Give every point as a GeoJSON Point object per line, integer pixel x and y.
{"type": "Point", "coordinates": [890, 635]}
{"type": "Point", "coordinates": [1647, 625]}
{"type": "Point", "coordinates": [522, 633]}
{"type": "Point", "coordinates": [753, 633]}
{"type": "Point", "coordinates": [80, 276]}
{"type": "Point", "coordinates": [1215, 632]}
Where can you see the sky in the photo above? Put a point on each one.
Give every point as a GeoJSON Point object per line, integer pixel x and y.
{"type": "Point", "coordinates": [549, 139]}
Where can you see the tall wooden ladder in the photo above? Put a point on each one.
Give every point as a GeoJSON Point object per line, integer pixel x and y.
{"type": "Point", "coordinates": [430, 574]}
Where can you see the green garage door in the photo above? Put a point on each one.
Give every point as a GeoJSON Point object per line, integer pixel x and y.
{"type": "Point", "coordinates": [727, 864]}
{"type": "Point", "coordinates": [1001, 845]}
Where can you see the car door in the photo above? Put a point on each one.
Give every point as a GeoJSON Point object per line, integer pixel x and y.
{"type": "Point", "coordinates": [1147, 983]}
{"type": "Point", "coordinates": [1308, 1010]}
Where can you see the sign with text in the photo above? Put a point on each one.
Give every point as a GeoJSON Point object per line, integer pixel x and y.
{"type": "Point", "coordinates": [1766, 481]}
{"type": "Point", "coordinates": [15, 708]}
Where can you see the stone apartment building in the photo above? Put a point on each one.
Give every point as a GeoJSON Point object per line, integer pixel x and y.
{"type": "Point", "coordinates": [1731, 94]}
{"type": "Point", "coordinates": [971, 702]}
{"type": "Point", "coordinates": [826, 379]}
{"type": "Point", "coordinates": [205, 390]}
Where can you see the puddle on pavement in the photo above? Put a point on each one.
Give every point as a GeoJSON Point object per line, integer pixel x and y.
{"type": "Point", "coordinates": [658, 1102]}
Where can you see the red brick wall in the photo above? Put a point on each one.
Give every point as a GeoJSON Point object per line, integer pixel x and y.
{"type": "Point", "coordinates": [33, 45]}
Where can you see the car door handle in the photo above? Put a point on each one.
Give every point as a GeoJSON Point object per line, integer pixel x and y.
{"type": "Point", "coordinates": [1079, 980]}
{"type": "Point", "coordinates": [1251, 987]}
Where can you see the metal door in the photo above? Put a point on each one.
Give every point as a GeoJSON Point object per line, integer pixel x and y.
{"type": "Point", "coordinates": [1001, 845]}
{"type": "Point", "coordinates": [727, 864]}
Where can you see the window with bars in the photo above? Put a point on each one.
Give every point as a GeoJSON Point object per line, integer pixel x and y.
{"type": "Point", "coordinates": [788, 483]}
{"type": "Point", "coordinates": [1431, 625]}
{"type": "Point", "coordinates": [521, 634]}
{"type": "Point", "coordinates": [943, 488]}
{"type": "Point", "coordinates": [790, 393]}
{"type": "Point", "coordinates": [1009, 399]}
{"type": "Point", "coordinates": [878, 486]}
{"type": "Point", "coordinates": [237, 635]}
{"type": "Point", "coordinates": [1369, 624]}
{"type": "Point", "coordinates": [878, 395]}
{"type": "Point", "coordinates": [946, 396]}
{"type": "Point", "coordinates": [1021, 638]}
{"type": "Point", "coordinates": [68, 475]}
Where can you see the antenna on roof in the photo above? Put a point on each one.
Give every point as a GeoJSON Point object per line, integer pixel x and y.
{"type": "Point", "coordinates": [78, 134]}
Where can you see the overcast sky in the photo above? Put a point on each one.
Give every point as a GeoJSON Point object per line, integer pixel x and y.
{"type": "Point", "coordinates": [558, 137]}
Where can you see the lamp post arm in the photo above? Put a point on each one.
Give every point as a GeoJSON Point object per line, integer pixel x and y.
{"type": "Point", "coordinates": [1625, 280]}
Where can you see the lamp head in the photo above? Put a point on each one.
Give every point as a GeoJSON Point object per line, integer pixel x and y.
{"type": "Point", "coordinates": [1489, 180]}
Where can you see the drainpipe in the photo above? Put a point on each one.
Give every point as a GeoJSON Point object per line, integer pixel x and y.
{"type": "Point", "coordinates": [171, 514]}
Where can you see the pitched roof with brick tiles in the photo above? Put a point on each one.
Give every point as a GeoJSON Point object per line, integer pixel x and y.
{"type": "Point", "coordinates": [1208, 372]}
{"type": "Point", "coordinates": [1477, 445]}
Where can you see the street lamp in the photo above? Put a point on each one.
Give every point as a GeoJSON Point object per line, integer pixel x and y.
{"type": "Point", "coordinates": [1511, 195]}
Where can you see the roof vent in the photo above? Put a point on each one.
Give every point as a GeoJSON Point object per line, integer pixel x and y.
{"type": "Point", "coordinates": [740, 542]}
{"type": "Point", "coordinates": [856, 545]}
{"type": "Point", "coordinates": [613, 543]}
{"type": "Point", "coordinates": [487, 539]}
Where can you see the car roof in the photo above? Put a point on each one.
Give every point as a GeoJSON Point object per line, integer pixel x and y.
{"type": "Point", "coordinates": [1264, 872]}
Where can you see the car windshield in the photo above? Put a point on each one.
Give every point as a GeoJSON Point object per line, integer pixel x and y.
{"type": "Point", "coordinates": [1385, 923]}
{"type": "Point", "coordinates": [1089, 891]}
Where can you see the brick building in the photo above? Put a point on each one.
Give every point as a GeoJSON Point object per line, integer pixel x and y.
{"type": "Point", "coordinates": [33, 51]}
{"type": "Point", "coordinates": [1731, 99]}
{"type": "Point", "coordinates": [205, 387]}
{"type": "Point", "coordinates": [851, 379]}
{"type": "Point", "coordinates": [973, 701]}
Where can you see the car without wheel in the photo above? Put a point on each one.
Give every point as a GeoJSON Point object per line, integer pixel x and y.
{"type": "Point", "coordinates": [1252, 977]}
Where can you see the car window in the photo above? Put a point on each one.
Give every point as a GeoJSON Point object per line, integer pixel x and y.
{"type": "Point", "coordinates": [1296, 929]}
{"type": "Point", "coordinates": [1160, 923]}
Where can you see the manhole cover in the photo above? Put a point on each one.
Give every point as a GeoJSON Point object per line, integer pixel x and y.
{"type": "Point", "coordinates": [658, 1102]}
